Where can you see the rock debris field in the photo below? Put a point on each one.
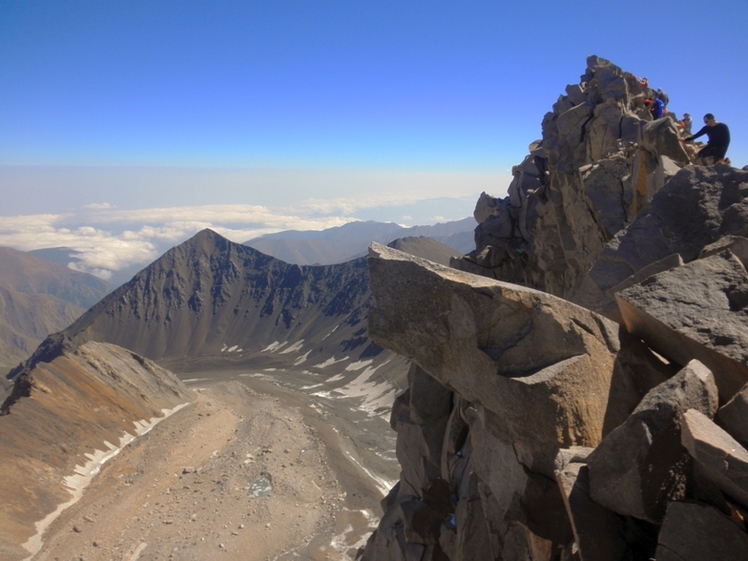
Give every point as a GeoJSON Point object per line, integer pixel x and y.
{"type": "Point", "coordinates": [248, 471]}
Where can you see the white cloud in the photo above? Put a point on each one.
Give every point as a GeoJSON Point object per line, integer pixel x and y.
{"type": "Point", "coordinates": [104, 238]}
{"type": "Point", "coordinates": [98, 206]}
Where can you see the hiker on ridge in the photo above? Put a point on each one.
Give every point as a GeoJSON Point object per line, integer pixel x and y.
{"type": "Point", "coordinates": [719, 139]}
{"type": "Point", "coordinates": [686, 123]}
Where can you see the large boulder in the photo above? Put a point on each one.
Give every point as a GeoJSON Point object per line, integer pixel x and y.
{"type": "Point", "coordinates": [696, 208]}
{"type": "Point", "coordinates": [541, 367]}
{"type": "Point", "coordinates": [698, 311]}
{"type": "Point", "coordinates": [698, 532]}
{"type": "Point", "coordinates": [641, 465]}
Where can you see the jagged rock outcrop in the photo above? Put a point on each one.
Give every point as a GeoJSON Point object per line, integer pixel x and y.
{"type": "Point", "coordinates": [567, 438]}
{"type": "Point", "coordinates": [506, 377]}
{"type": "Point", "coordinates": [600, 159]}
{"type": "Point", "coordinates": [62, 419]}
{"type": "Point", "coordinates": [526, 432]}
{"type": "Point", "coordinates": [698, 206]}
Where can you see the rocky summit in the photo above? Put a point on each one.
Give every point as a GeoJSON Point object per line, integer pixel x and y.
{"type": "Point", "coordinates": [584, 395]}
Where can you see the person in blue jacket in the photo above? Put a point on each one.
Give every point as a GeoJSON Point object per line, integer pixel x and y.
{"type": "Point", "coordinates": [719, 139]}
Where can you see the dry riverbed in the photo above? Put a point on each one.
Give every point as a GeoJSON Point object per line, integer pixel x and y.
{"type": "Point", "coordinates": [249, 471]}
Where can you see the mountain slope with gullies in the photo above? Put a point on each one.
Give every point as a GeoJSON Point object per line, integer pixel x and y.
{"type": "Point", "coordinates": [209, 301]}
{"type": "Point", "coordinates": [38, 298]}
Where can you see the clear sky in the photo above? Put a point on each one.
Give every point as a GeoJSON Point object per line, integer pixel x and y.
{"type": "Point", "coordinates": [315, 111]}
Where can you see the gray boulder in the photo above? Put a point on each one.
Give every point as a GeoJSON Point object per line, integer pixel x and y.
{"type": "Point", "coordinates": [698, 311]}
{"type": "Point", "coordinates": [541, 366]}
{"type": "Point", "coordinates": [697, 532]}
{"type": "Point", "coordinates": [641, 465]}
{"type": "Point", "coordinates": [720, 458]}
{"type": "Point", "coordinates": [697, 207]}
{"type": "Point", "coordinates": [598, 533]}
{"type": "Point", "coordinates": [734, 416]}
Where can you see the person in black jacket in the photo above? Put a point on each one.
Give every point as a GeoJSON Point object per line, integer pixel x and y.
{"type": "Point", "coordinates": [719, 139]}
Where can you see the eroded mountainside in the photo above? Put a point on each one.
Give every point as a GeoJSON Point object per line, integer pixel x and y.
{"type": "Point", "coordinates": [536, 429]}
{"type": "Point", "coordinates": [38, 298]}
{"type": "Point", "coordinates": [63, 417]}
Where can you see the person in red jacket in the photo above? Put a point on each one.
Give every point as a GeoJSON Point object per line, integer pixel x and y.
{"type": "Point", "coordinates": [719, 139]}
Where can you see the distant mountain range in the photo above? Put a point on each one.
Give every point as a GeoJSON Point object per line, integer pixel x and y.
{"type": "Point", "coordinates": [343, 243]}
{"type": "Point", "coordinates": [210, 302]}
{"type": "Point", "coordinates": [38, 298]}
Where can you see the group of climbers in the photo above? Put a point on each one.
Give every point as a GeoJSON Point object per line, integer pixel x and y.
{"type": "Point", "coordinates": [718, 134]}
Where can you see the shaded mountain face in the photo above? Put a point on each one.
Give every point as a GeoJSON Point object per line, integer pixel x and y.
{"type": "Point", "coordinates": [215, 300]}
{"type": "Point", "coordinates": [350, 241]}
{"type": "Point", "coordinates": [38, 298]}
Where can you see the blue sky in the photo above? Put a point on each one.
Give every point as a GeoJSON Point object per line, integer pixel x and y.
{"type": "Point", "coordinates": [155, 104]}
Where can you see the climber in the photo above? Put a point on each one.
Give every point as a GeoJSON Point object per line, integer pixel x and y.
{"type": "Point", "coordinates": [656, 107]}
{"type": "Point", "coordinates": [719, 139]}
{"type": "Point", "coordinates": [686, 123]}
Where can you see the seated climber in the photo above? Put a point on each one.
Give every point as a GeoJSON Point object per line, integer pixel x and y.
{"type": "Point", "coordinates": [719, 139]}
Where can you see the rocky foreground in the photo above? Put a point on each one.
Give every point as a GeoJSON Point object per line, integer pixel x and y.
{"type": "Point", "coordinates": [534, 428]}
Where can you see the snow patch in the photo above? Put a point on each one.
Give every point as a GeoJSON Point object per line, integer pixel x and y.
{"type": "Point", "coordinates": [302, 358]}
{"type": "Point", "coordinates": [274, 346]}
{"type": "Point", "coordinates": [377, 395]}
{"type": "Point", "coordinates": [335, 378]}
{"type": "Point", "coordinates": [295, 347]}
{"type": "Point", "coordinates": [83, 474]}
{"type": "Point", "coordinates": [330, 361]}
{"type": "Point", "coordinates": [382, 484]}
{"type": "Point", "coordinates": [341, 543]}
{"type": "Point", "coordinates": [331, 332]}
{"type": "Point", "coordinates": [358, 365]}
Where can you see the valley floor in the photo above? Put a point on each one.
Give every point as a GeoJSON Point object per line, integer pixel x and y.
{"type": "Point", "coordinates": [251, 470]}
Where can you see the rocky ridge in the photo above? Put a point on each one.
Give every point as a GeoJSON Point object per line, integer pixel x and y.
{"type": "Point", "coordinates": [534, 428]}
{"type": "Point", "coordinates": [63, 418]}
{"type": "Point", "coordinates": [601, 158]}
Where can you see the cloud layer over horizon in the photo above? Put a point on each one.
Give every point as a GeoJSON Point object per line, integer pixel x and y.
{"type": "Point", "coordinates": [104, 239]}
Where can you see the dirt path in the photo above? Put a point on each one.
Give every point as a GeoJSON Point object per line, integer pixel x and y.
{"type": "Point", "coordinates": [235, 475]}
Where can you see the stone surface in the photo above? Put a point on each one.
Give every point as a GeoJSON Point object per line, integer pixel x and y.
{"type": "Point", "coordinates": [601, 158]}
{"type": "Point", "coordinates": [719, 456]}
{"type": "Point", "coordinates": [696, 208]}
{"type": "Point", "coordinates": [598, 532]}
{"type": "Point", "coordinates": [641, 465]}
{"type": "Point", "coordinates": [734, 416]}
{"type": "Point", "coordinates": [698, 311]}
{"type": "Point", "coordinates": [697, 532]}
{"type": "Point", "coordinates": [541, 365]}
